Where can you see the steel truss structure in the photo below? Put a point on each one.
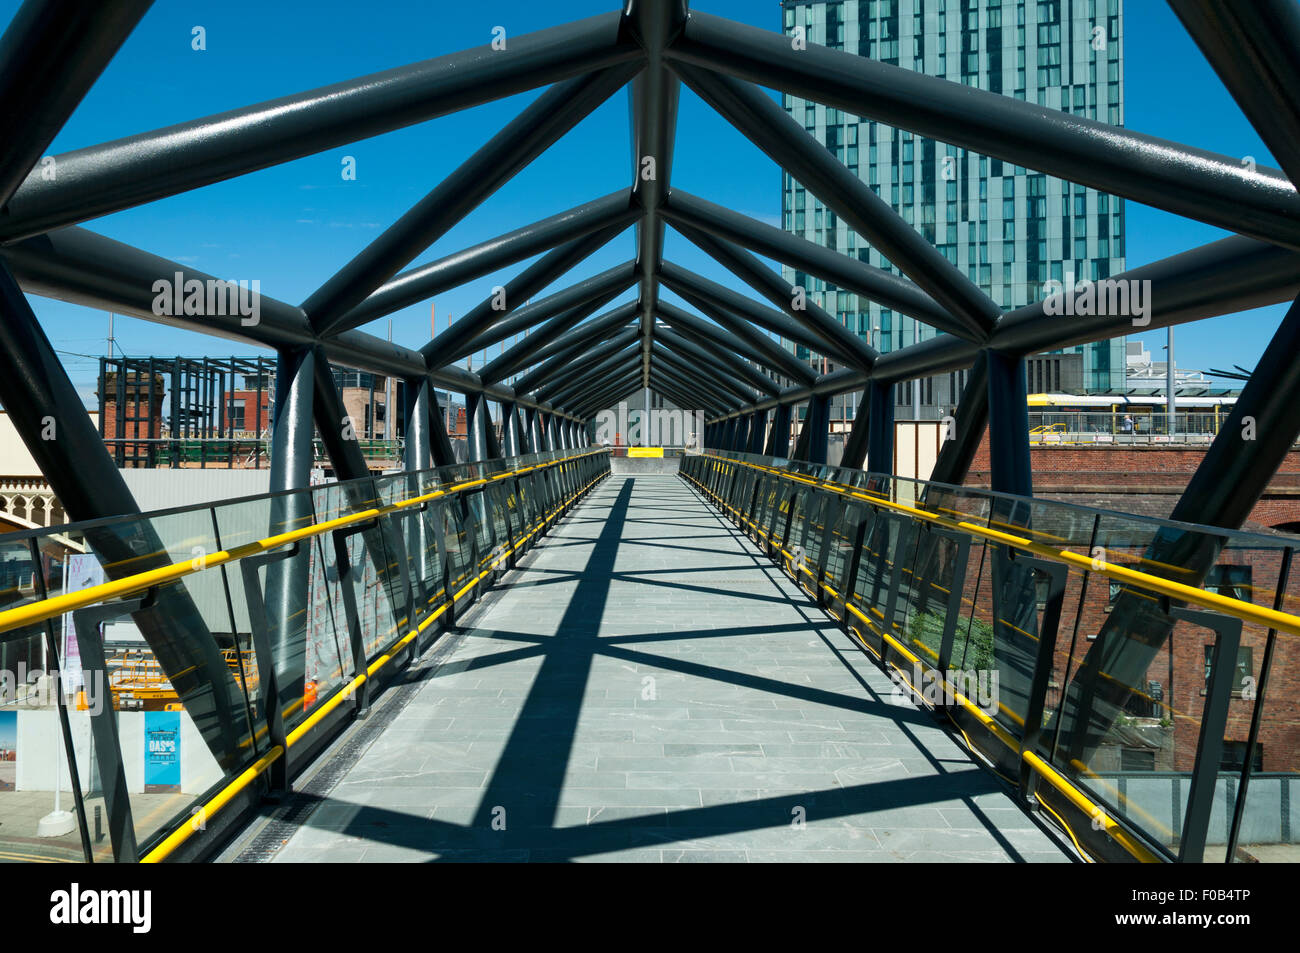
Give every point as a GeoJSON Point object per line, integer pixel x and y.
{"type": "Point", "coordinates": [577, 358]}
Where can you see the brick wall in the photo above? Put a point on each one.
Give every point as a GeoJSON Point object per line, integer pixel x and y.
{"type": "Point", "coordinates": [1139, 479]}
{"type": "Point", "coordinates": [142, 400]}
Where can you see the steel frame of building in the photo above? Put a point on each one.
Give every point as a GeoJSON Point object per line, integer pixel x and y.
{"type": "Point", "coordinates": [571, 362]}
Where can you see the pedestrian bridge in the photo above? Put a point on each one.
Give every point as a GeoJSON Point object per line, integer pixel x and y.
{"type": "Point", "coordinates": [753, 659]}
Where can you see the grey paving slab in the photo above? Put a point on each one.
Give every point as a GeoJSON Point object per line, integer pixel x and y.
{"type": "Point", "coordinates": [646, 687]}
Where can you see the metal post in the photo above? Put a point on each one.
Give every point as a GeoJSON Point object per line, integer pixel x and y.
{"type": "Point", "coordinates": [880, 427]}
{"type": "Point", "coordinates": [51, 420]}
{"type": "Point", "coordinates": [477, 424]}
{"type": "Point", "coordinates": [1009, 433]}
{"type": "Point", "coordinates": [964, 432]}
{"type": "Point", "coordinates": [855, 448]}
{"type": "Point", "coordinates": [288, 579]}
{"type": "Point", "coordinates": [778, 441]}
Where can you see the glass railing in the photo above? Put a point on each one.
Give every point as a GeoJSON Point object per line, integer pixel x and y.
{"type": "Point", "coordinates": [232, 639]}
{"type": "Point", "coordinates": [1132, 677]}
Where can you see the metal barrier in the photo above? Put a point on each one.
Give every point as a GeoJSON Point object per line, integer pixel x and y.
{"type": "Point", "coordinates": [977, 608]}
{"type": "Point", "coordinates": [259, 668]}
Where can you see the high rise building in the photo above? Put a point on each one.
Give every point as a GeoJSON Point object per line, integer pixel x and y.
{"type": "Point", "coordinates": [1012, 230]}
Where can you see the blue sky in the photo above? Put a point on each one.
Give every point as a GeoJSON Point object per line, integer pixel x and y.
{"type": "Point", "coordinates": [293, 225]}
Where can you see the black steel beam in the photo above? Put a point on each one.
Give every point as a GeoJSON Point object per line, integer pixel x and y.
{"type": "Point", "coordinates": [1190, 182]}
{"type": "Point", "coordinates": [1227, 276]}
{"type": "Point", "coordinates": [52, 422]}
{"type": "Point", "coordinates": [757, 432]}
{"type": "Point", "coordinates": [561, 391]}
{"type": "Point", "coordinates": [1254, 440]}
{"type": "Point", "coordinates": [1253, 47]}
{"type": "Point", "coordinates": [510, 446]}
{"type": "Point", "coordinates": [679, 389]}
{"type": "Point", "coordinates": [587, 354]}
{"type": "Point", "coordinates": [418, 440]}
{"type": "Point", "coordinates": [880, 427]}
{"type": "Point", "coordinates": [758, 346]}
{"type": "Point", "coordinates": [128, 172]}
{"type": "Point", "coordinates": [653, 24]}
{"type": "Point", "coordinates": [598, 288]}
{"type": "Point", "coordinates": [835, 339]}
{"type": "Point", "coordinates": [50, 55]}
{"type": "Point", "coordinates": [573, 342]}
{"type": "Point", "coordinates": [712, 335]}
{"type": "Point", "coordinates": [786, 141]}
{"type": "Point", "coordinates": [477, 424]}
{"type": "Point", "coordinates": [427, 281]}
{"type": "Point", "coordinates": [967, 428]}
{"type": "Point", "coordinates": [737, 392]}
{"type": "Point", "coordinates": [525, 137]}
{"type": "Point", "coordinates": [705, 397]}
{"type": "Point", "coordinates": [1009, 466]}
{"type": "Point", "coordinates": [855, 448]}
{"type": "Point", "coordinates": [521, 354]}
{"type": "Point", "coordinates": [846, 273]}
{"type": "Point", "coordinates": [687, 361]}
{"type": "Point", "coordinates": [778, 438]}
{"type": "Point", "coordinates": [616, 386]}
{"type": "Point", "coordinates": [696, 288]}
{"type": "Point", "coordinates": [287, 595]}
{"type": "Point", "coordinates": [472, 331]}
{"type": "Point", "coordinates": [83, 267]}
{"type": "Point", "coordinates": [722, 361]}
{"type": "Point", "coordinates": [577, 345]}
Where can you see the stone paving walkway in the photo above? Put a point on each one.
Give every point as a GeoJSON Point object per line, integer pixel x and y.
{"type": "Point", "coordinates": [647, 687]}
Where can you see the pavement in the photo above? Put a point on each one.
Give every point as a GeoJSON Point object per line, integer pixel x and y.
{"type": "Point", "coordinates": [647, 687]}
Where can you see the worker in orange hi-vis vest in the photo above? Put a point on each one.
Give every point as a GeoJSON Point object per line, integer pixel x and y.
{"type": "Point", "coordinates": [309, 694]}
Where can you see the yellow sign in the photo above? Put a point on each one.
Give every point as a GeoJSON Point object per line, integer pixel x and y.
{"type": "Point", "coordinates": [645, 451]}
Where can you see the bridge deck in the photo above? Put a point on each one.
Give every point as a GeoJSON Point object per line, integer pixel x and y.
{"type": "Point", "coordinates": [648, 687]}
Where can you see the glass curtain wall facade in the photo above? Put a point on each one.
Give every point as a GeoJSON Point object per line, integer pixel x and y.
{"type": "Point", "coordinates": [1012, 230]}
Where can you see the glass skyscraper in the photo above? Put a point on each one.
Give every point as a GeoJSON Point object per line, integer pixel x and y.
{"type": "Point", "coordinates": [1011, 230]}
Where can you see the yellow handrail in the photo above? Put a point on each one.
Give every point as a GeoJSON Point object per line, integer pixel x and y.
{"type": "Point", "coordinates": [1246, 611]}
{"type": "Point", "coordinates": [169, 845]}
{"type": "Point", "coordinates": [54, 606]}
{"type": "Point", "coordinates": [1234, 607]}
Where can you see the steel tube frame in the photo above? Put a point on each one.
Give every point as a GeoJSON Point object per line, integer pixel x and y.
{"type": "Point", "coordinates": [691, 386]}
{"type": "Point", "coordinates": [86, 268]}
{"type": "Point", "coordinates": [835, 340]}
{"type": "Point", "coordinates": [722, 385]}
{"type": "Point", "coordinates": [1229, 275]}
{"type": "Point", "coordinates": [36, 391]}
{"type": "Point", "coordinates": [600, 288]}
{"type": "Point", "coordinates": [456, 269]}
{"type": "Point", "coordinates": [849, 274]}
{"type": "Point", "coordinates": [654, 94]}
{"type": "Point", "coordinates": [1252, 47]}
{"type": "Point", "coordinates": [554, 329]}
{"type": "Point", "coordinates": [698, 346]}
{"type": "Point", "coordinates": [571, 344]}
{"type": "Point", "coordinates": [694, 287]}
{"type": "Point", "coordinates": [581, 350]}
{"type": "Point", "coordinates": [473, 330]}
{"type": "Point", "coordinates": [1189, 182]}
{"type": "Point", "coordinates": [524, 138]}
{"type": "Point", "coordinates": [50, 55]}
{"type": "Point", "coordinates": [128, 172]}
{"type": "Point", "coordinates": [786, 141]}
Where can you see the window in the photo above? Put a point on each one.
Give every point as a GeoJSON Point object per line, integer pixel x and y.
{"type": "Point", "coordinates": [235, 414]}
{"type": "Point", "coordinates": [1245, 672]}
{"type": "Point", "coordinates": [1137, 759]}
{"type": "Point", "coordinates": [1230, 581]}
{"type": "Point", "coordinates": [1234, 756]}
